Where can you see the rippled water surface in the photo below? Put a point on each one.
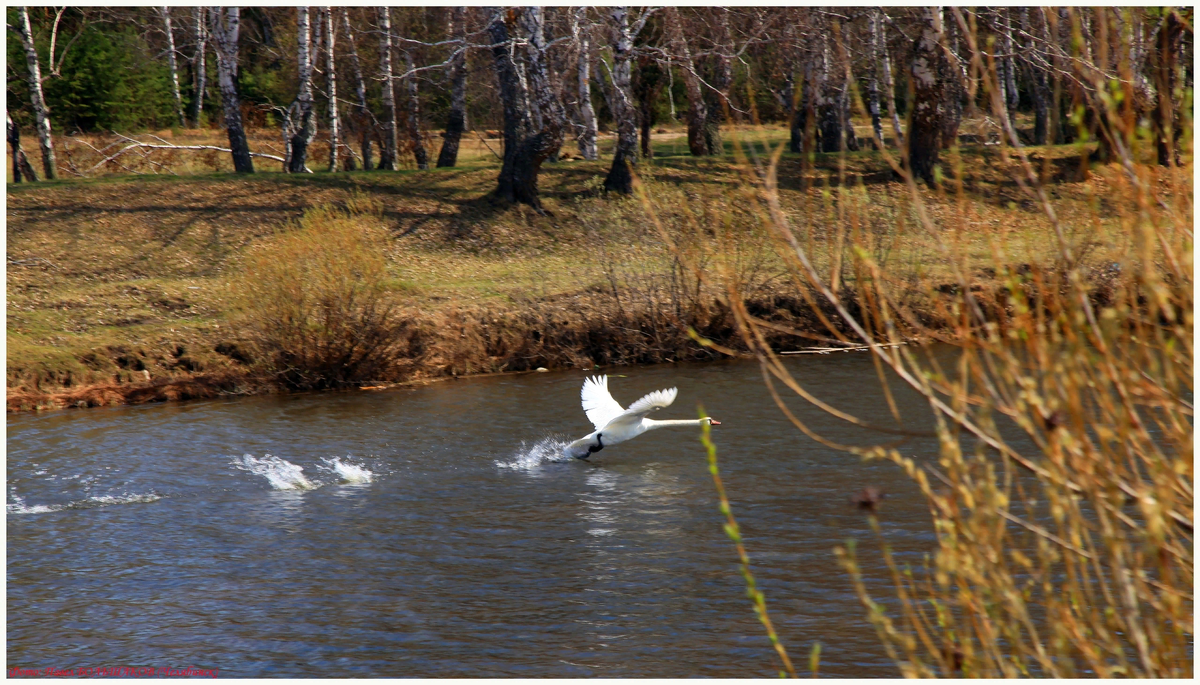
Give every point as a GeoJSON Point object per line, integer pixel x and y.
{"type": "Point", "coordinates": [437, 532]}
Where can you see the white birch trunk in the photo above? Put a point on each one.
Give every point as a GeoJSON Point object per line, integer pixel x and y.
{"type": "Point", "coordinates": [697, 109]}
{"type": "Point", "coordinates": [457, 121]}
{"type": "Point", "coordinates": [1010, 69]}
{"type": "Point", "coordinates": [620, 178]}
{"type": "Point", "coordinates": [335, 131]}
{"type": "Point", "coordinates": [363, 113]}
{"type": "Point", "coordinates": [171, 61]}
{"type": "Point", "coordinates": [873, 79]}
{"type": "Point", "coordinates": [299, 126]}
{"type": "Point", "coordinates": [21, 166]}
{"type": "Point", "coordinates": [387, 156]}
{"type": "Point", "coordinates": [225, 24]}
{"type": "Point", "coordinates": [199, 64]}
{"type": "Point", "coordinates": [414, 115]}
{"type": "Point", "coordinates": [889, 87]}
{"type": "Point", "coordinates": [587, 115]}
{"type": "Point", "coordinates": [40, 112]}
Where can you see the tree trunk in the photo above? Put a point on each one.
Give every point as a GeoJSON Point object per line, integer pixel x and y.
{"type": "Point", "coordinates": [21, 165]}
{"type": "Point", "coordinates": [954, 89]}
{"type": "Point", "coordinates": [335, 130]}
{"type": "Point", "coordinates": [587, 130]}
{"type": "Point", "coordinates": [848, 138]}
{"type": "Point", "coordinates": [925, 115]}
{"type": "Point", "coordinates": [224, 27]}
{"type": "Point", "coordinates": [457, 122]}
{"type": "Point", "coordinates": [828, 101]}
{"type": "Point", "coordinates": [889, 87]}
{"type": "Point", "coordinates": [414, 115]}
{"type": "Point", "coordinates": [387, 156]}
{"type": "Point", "coordinates": [199, 65]}
{"type": "Point", "coordinates": [362, 113]}
{"type": "Point", "coordinates": [173, 65]}
{"type": "Point", "coordinates": [697, 109]}
{"type": "Point", "coordinates": [299, 126]}
{"type": "Point", "coordinates": [804, 119]}
{"type": "Point", "coordinates": [40, 112]}
{"type": "Point", "coordinates": [647, 86]}
{"type": "Point", "coordinates": [524, 148]}
{"type": "Point", "coordinates": [620, 177]}
{"type": "Point", "coordinates": [1041, 86]}
{"type": "Point", "coordinates": [1010, 67]}
{"type": "Point", "coordinates": [873, 79]}
{"type": "Point", "coordinates": [801, 104]}
{"type": "Point", "coordinates": [718, 99]}
{"type": "Point", "coordinates": [1165, 117]}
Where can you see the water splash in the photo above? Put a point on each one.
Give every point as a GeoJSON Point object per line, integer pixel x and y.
{"type": "Point", "coordinates": [348, 472]}
{"type": "Point", "coordinates": [18, 506]}
{"type": "Point", "coordinates": [281, 474]}
{"type": "Point", "coordinates": [548, 450]}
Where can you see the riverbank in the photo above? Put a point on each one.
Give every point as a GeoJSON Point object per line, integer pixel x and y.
{"type": "Point", "coordinates": [118, 287]}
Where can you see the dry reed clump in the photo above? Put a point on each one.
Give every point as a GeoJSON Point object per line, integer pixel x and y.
{"type": "Point", "coordinates": [314, 302]}
{"type": "Point", "coordinates": [1062, 489]}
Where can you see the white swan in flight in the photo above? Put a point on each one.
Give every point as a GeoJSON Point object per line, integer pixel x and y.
{"type": "Point", "coordinates": [614, 424]}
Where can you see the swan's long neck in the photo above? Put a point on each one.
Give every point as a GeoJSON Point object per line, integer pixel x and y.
{"type": "Point", "coordinates": [651, 423]}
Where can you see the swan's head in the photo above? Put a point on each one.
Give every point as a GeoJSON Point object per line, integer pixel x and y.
{"type": "Point", "coordinates": [710, 421]}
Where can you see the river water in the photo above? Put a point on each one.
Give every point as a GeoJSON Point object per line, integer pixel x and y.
{"type": "Point", "coordinates": [437, 531]}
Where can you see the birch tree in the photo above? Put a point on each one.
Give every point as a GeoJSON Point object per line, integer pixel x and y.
{"type": "Point", "coordinates": [847, 138]}
{"type": "Point", "coordinates": [299, 127]}
{"type": "Point", "coordinates": [802, 137]}
{"type": "Point", "coordinates": [172, 65]}
{"type": "Point", "coordinates": [413, 119]}
{"type": "Point", "coordinates": [647, 86]}
{"type": "Point", "coordinates": [1165, 67]}
{"type": "Point", "coordinates": [953, 87]}
{"type": "Point", "coordinates": [387, 156]}
{"type": "Point", "coordinates": [928, 98]}
{"type": "Point", "coordinates": [21, 165]}
{"type": "Point", "coordinates": [456, 122]}
{"type": "Point", "coordinates": [363, 119]}
{"type": "Point", "coordinates": [335, 130]}
{"type": "Point", "coordinates": [873, 107]}
{"type": "Point", "coordinates": [586, 137]}
{"type": "Point", "coordinates": [889, 82]}
{"type": "Point", "coordinates": [40, 112]}
{"type": "Point", "coordinates": [1041, 87]}
{"type": "Point", "coordinates": [697, 109]}
{"type": "Point", "coordinates": [722, 80]}
{"type": "Point", "coordinates": [625, 112]}
{"type": "Point", "coordinates": [827, 97]}
{"type": "Point", "coordinates": [525, 146]}
{"type": "Point", "coordinates": [225, 22]}
{"type": "Point", "coordinates": [199, 64]}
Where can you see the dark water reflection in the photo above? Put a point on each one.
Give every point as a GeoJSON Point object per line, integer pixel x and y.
{"type": "Point", "coordinates": [135, 539]}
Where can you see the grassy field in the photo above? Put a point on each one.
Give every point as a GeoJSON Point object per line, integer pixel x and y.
{"type": "Point", "coordinates": [121, 281]}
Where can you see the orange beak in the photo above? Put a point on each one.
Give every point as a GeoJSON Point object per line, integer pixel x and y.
{"type": "Point", "coordinates": [715, 422]}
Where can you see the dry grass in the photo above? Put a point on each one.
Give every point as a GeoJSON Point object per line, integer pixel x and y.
{"type": "Point", "coordinates": [314, 303]}
{"type": "Point", "coordinates": [1062, 491]}
{"type": "Point", "coordinates": [119, 277]}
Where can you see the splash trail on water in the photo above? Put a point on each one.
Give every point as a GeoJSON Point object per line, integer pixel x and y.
{"type": "Point", "coordinates": [548, 450]}
{"type": "Point", "coordinates": [281, 474]}
{"type": "Point", "coordinates": [347, 471]}
{"type": "Point", "coordinates": [18, 506]}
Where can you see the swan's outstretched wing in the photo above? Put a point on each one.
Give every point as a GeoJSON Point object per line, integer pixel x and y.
{"type": "Point", "coordinates": [598, 404]}
{"type": "Point", "coordinates": [638, 410]}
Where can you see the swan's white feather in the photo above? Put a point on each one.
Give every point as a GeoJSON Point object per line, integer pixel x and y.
{"type": "Point", "coordinates": [655, 400]}
{"type": "Point", "coordinates": [598, 403]}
